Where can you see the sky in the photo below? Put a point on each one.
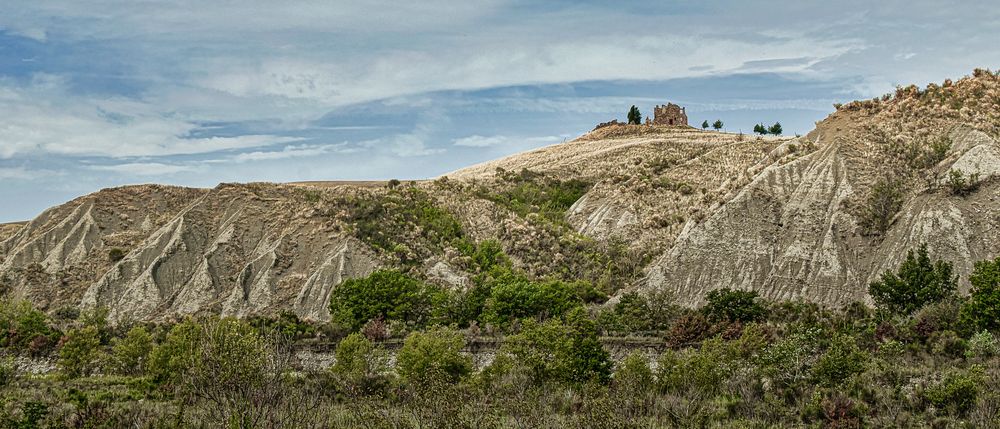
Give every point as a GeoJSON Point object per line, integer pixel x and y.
{"type": "Point", "coordinates": [110, 92]}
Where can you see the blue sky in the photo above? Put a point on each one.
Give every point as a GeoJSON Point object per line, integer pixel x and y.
{"type": "Point", "coordinates": [103, 93]}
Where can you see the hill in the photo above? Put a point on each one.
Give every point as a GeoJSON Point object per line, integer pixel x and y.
{"type": "Point", "coordinates": [625, 207]}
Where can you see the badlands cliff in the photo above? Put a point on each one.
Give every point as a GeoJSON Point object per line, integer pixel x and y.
{"type": "Point", "coordinates": [814, 217]}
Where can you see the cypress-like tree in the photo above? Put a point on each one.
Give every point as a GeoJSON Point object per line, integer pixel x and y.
{"type": "Point", "coordinates": [634, 116]}
{"type": "Point", "coordinates": [704, 125]}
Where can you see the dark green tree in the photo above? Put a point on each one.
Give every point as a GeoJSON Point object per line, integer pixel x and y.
{"type": "Point", "coordinates": [918, 282]}
{"type": "Point", "coordinates": [557, 350]}
{"type": "Point", "coordinates": [433, 356]}
{"type": "Point", "coordinates": [634, 116]}
{"type": "Point", "coordinates": [717, 125]}
{"type": "Point", "coordinates": [389, 294]}
{"type": "Point", "coordinates": [775, 129]}
{"type": "Point", "coordinates": [760, 129]}
{"type": "Point", "coordinates": [982, 310]}
{"type": "Point", "coordinates": [704, 125]}
{"type": "Point", "coordinates": [734, 305]}
{"type": "Point", "coordinates": [360, 366]}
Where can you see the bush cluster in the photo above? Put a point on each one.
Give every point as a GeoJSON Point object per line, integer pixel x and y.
{"type": "Point", "coordinates": [925, 357]}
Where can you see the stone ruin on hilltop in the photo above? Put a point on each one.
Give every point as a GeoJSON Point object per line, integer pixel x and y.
{"type": "Point", "coordinates": [669, 114]}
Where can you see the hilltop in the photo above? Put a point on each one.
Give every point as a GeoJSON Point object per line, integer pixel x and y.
{"type": "Point", "coordinates": [814, 217]}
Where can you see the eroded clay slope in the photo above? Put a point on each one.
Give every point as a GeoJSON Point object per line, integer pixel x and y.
{"type": "Point", "coordinates": [797, 230]}
{"type": "Point", "coordinates": [233, 250]}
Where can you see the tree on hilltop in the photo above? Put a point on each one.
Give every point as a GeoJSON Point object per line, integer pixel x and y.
{"type": "Point", "coordinates": [760, 129]}
{"type": "Point", "coordinates": [634, 116]}
{"type": "Point", "coordinates": [775, 129]}
{"type": "Point", "coordinates": [717, 125]}
{"type": "Point", "coordinates": [704, 125]}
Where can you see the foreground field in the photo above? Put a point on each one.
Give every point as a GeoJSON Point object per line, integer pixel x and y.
{"type": "Point", "coordinates": [924, 357]}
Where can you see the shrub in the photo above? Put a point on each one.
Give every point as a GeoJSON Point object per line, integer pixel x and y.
{"type": "Point", "coordinates": [630, 314]}
{"type": "Point", "coordinates": [956, 392]}
{"type": "Point", "coordinates": [405, 222]}
{"type": "Point", "coordinates": [982, 345]}
{"type": "Point", "coordinates": [129, 354]}
{"type": "Point", "coordinates": [25, 329]}
{"type": "Point", "coordinates": [8, 372]}
{"type": "Point", "coordinates": [287, 324]}
{"type": "Point", "coordinates": [388, 294]}
{"type": "Point", "coordinates": [634, 374]}
{"type": "Point", "coordinates": [376, 329]}
{"type": "Point", "coordinates": [789, 361]}
{"type": "Point", "coordinates": [842, 360]}
{"type": "Point", "coordinates": [237, 373]}
{"type": "Point", "coordinates": [917, 283]}
{"type": "Point", "coordinates": [883, 202]}
{"type": "Point", "coordinates": [116, 254]}
{"type": "Point", "coordinates": [947, 343]}
{"type": "Point", "coordinates": [561, 351]}
{"type": "Point", "coordinates": [697, 370]}
{"type": "Point", "coordinates": [689, 329]}
{"type": "Point", "coordinates": [433, 356]}
{"type": "Point", "coordinates": [360, 365]}
{"type": "Point", "coordinates": [528, 192]}
{"type": "Point", "coordinates": [170, 360]}
{"type": "Point", "coordinates": [79, 352]}
{"type": "Point", "coordinates": [961, 185]}
{"type": "Point", "coordinates": [513, 296]}
{"type": "Point", "coordinates": [982, 309]}
{"type": "Point", "coordinates": [734, 306]}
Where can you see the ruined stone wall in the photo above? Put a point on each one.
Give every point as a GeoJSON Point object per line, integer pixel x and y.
{"type": "Point", "coordinates": [669, 114]}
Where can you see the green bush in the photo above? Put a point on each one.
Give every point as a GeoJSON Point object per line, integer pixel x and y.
{"type": "Point", "coordinates": [956, 392]}
{"type": "Point", "coordinates": [634, 373]}
{"type": "Point", "coordinates": [433, 356]}
{"type": "Point", "coordinates": [789, 361]}
{"type": "Point", "coordinates": [116, 254]}
{"type": "Point", "coordinates": [528, 192]}
{"type": "Point", "coordinates": [982, 309]}
{"type": "Point", "coordinates": [630, 314]}
{"type": "Point", "coordinates": [129, 354]}
{"type": "Point", "coordinates": [171, 359]}
{"type": "Point", "coordinates": [513, 296]}
{"type": "Point", "coordinates": [734, 306]}
{"type": "Point", "coordinates": [388, 294]}
{"type": "Point", "coordinates": [405, 222]}
{"type": "Point", "coordinates": [8, 372]}
{"type": "Point", "coordinates": [841, 361]}
{"type": "Point", "coordinates": [917, 283]}
{"type": "Point", "coordinates": [360, 365]}
{"type": "Point", "coordinates": [80, 351]}
{"type": "Point", "coordinates": [286, 324]}
{"type": "Point", "coordinates": [983, 345]}
{"type": "Point", "coordinates": [25, 329]}
{"type": "Point", "coordinates": [697, 370]}
{"type": "Point", "coordinates": [238, 373]}
{"type": "Point", "coordinates": [561, 351]}
{"type": "Point", "coordinates": [883, 202]}
{"type": "Point", "coordinates": [962, 185]}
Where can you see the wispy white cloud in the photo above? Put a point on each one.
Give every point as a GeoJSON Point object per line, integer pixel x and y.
{"type": "Point", "coordinates": [143, 168]}
{"type": "Point", "coordinates": [45, 118]}
{"type": "Point", "coordinates": [292, 152]}
{"type": "Point", "coordinates": [492, 141]}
